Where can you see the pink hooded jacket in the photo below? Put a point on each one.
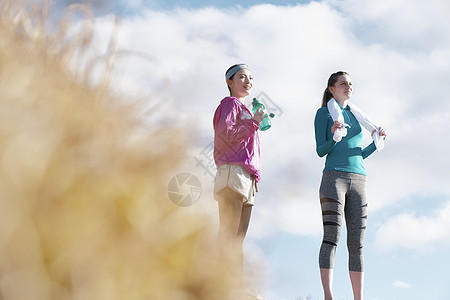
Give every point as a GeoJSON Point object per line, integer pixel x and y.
{"type": "Point", "coordinates": [236, 139]}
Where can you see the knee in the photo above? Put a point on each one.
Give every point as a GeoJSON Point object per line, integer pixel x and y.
{"type": "Point", "coordinates": [331, 233]}
{"type": "Point", "coordinates": [355, 246]}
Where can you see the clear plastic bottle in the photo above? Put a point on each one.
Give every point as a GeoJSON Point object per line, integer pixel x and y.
{"type": "Point", "coordinates": [265, 123]}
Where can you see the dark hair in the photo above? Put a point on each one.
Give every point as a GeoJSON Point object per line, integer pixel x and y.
{"type": "Point", "coordinates": [230, 69]}
{"type": "Point", "coordinates": [231, 76]}
{"type": "Point", "coordinates": [327, 95]}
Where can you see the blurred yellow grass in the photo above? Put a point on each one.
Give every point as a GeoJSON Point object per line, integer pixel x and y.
{"type": "Point", "coordinates": [84, 212]}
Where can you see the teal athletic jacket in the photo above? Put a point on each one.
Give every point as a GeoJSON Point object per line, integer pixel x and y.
{"type": "Point", "coordinates": [347, 155]}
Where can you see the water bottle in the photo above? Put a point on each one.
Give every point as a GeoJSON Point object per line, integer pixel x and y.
{"type": "Point", "coordinates": [265, 123]}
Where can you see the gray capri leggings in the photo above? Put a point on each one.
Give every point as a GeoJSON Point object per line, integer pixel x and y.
{"type": "Point", "coordinates": [343, 194]}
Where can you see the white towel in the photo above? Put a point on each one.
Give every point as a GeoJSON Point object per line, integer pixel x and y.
{"type": "Point", "coordinates": [336, 113]}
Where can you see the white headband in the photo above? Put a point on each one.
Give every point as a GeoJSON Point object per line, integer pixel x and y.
{"type": "Point", "coordinates": [234, 69]}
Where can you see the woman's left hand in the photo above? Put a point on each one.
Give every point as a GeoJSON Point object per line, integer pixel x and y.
{"type": "Point", "coordinates": [381, 131]}
{"type": "Point", "coordinates": [260, 115]}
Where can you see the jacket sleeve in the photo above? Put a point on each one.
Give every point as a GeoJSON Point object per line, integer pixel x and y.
{"type": "Point", "coordinates": [321, 127]}
{"type": "Point", "coordinates": [230, 127]}
{"type": "Point", "coordinates": [369, 150]}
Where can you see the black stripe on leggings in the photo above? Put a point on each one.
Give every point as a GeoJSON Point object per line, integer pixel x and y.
{"type": "Point", "coordinates": [331, 223]}
{"type": "Point", "coordinates": [329, 243]}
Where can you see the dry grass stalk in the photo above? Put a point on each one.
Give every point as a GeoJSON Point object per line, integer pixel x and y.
{"type": "Point", "coordinates": [84, 212]}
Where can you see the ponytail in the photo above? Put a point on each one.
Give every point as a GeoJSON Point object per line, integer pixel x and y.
{"type": "Point", "coordinates": [327, 95]}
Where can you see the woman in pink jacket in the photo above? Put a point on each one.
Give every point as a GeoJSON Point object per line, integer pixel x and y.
{"type": "Point", "coordinates": [237, 157]}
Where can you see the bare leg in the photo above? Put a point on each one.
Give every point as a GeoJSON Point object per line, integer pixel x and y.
{"type": "Point", "coordinates": [234, 221]}
{"type": "Point", "coordinates": [357, 280]}
{"type": "Point", "coordinates": [230, 211]}
{"type": "Point", "coordinates": [327, 280]}
{"type": "Point", "coordinates": [242, 232]}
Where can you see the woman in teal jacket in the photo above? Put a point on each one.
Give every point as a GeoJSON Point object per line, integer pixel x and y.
{"type": "Point", "coordinates": [343, 186]}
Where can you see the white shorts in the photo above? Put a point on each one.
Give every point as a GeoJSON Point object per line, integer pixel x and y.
{"type": "Point", "coordinates": [237, 179]}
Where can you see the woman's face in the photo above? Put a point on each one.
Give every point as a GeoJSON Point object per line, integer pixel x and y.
{"type": "Point", "coordinates": [241, 84]}
{"type": "Point", "coordinates": [342, 89]}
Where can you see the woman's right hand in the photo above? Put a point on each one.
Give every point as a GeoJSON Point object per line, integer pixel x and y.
{"type": "Point", "coordinates": [335, 126]}
{"type": "Point", "coordinates": [260, 115]}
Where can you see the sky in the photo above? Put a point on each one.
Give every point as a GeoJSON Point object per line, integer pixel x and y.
{"type": "Point", "coordinates": [398, 55]}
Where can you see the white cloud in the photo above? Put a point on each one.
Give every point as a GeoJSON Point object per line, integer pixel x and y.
{"type": "Point", "coordinates": [412, 231]}
{"type": "Point", "coordinates": [292, 51]}
{"type": "Point", "coordinates": [401, 284]}
{"type": "Point", "coordinates": [400, 24]}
